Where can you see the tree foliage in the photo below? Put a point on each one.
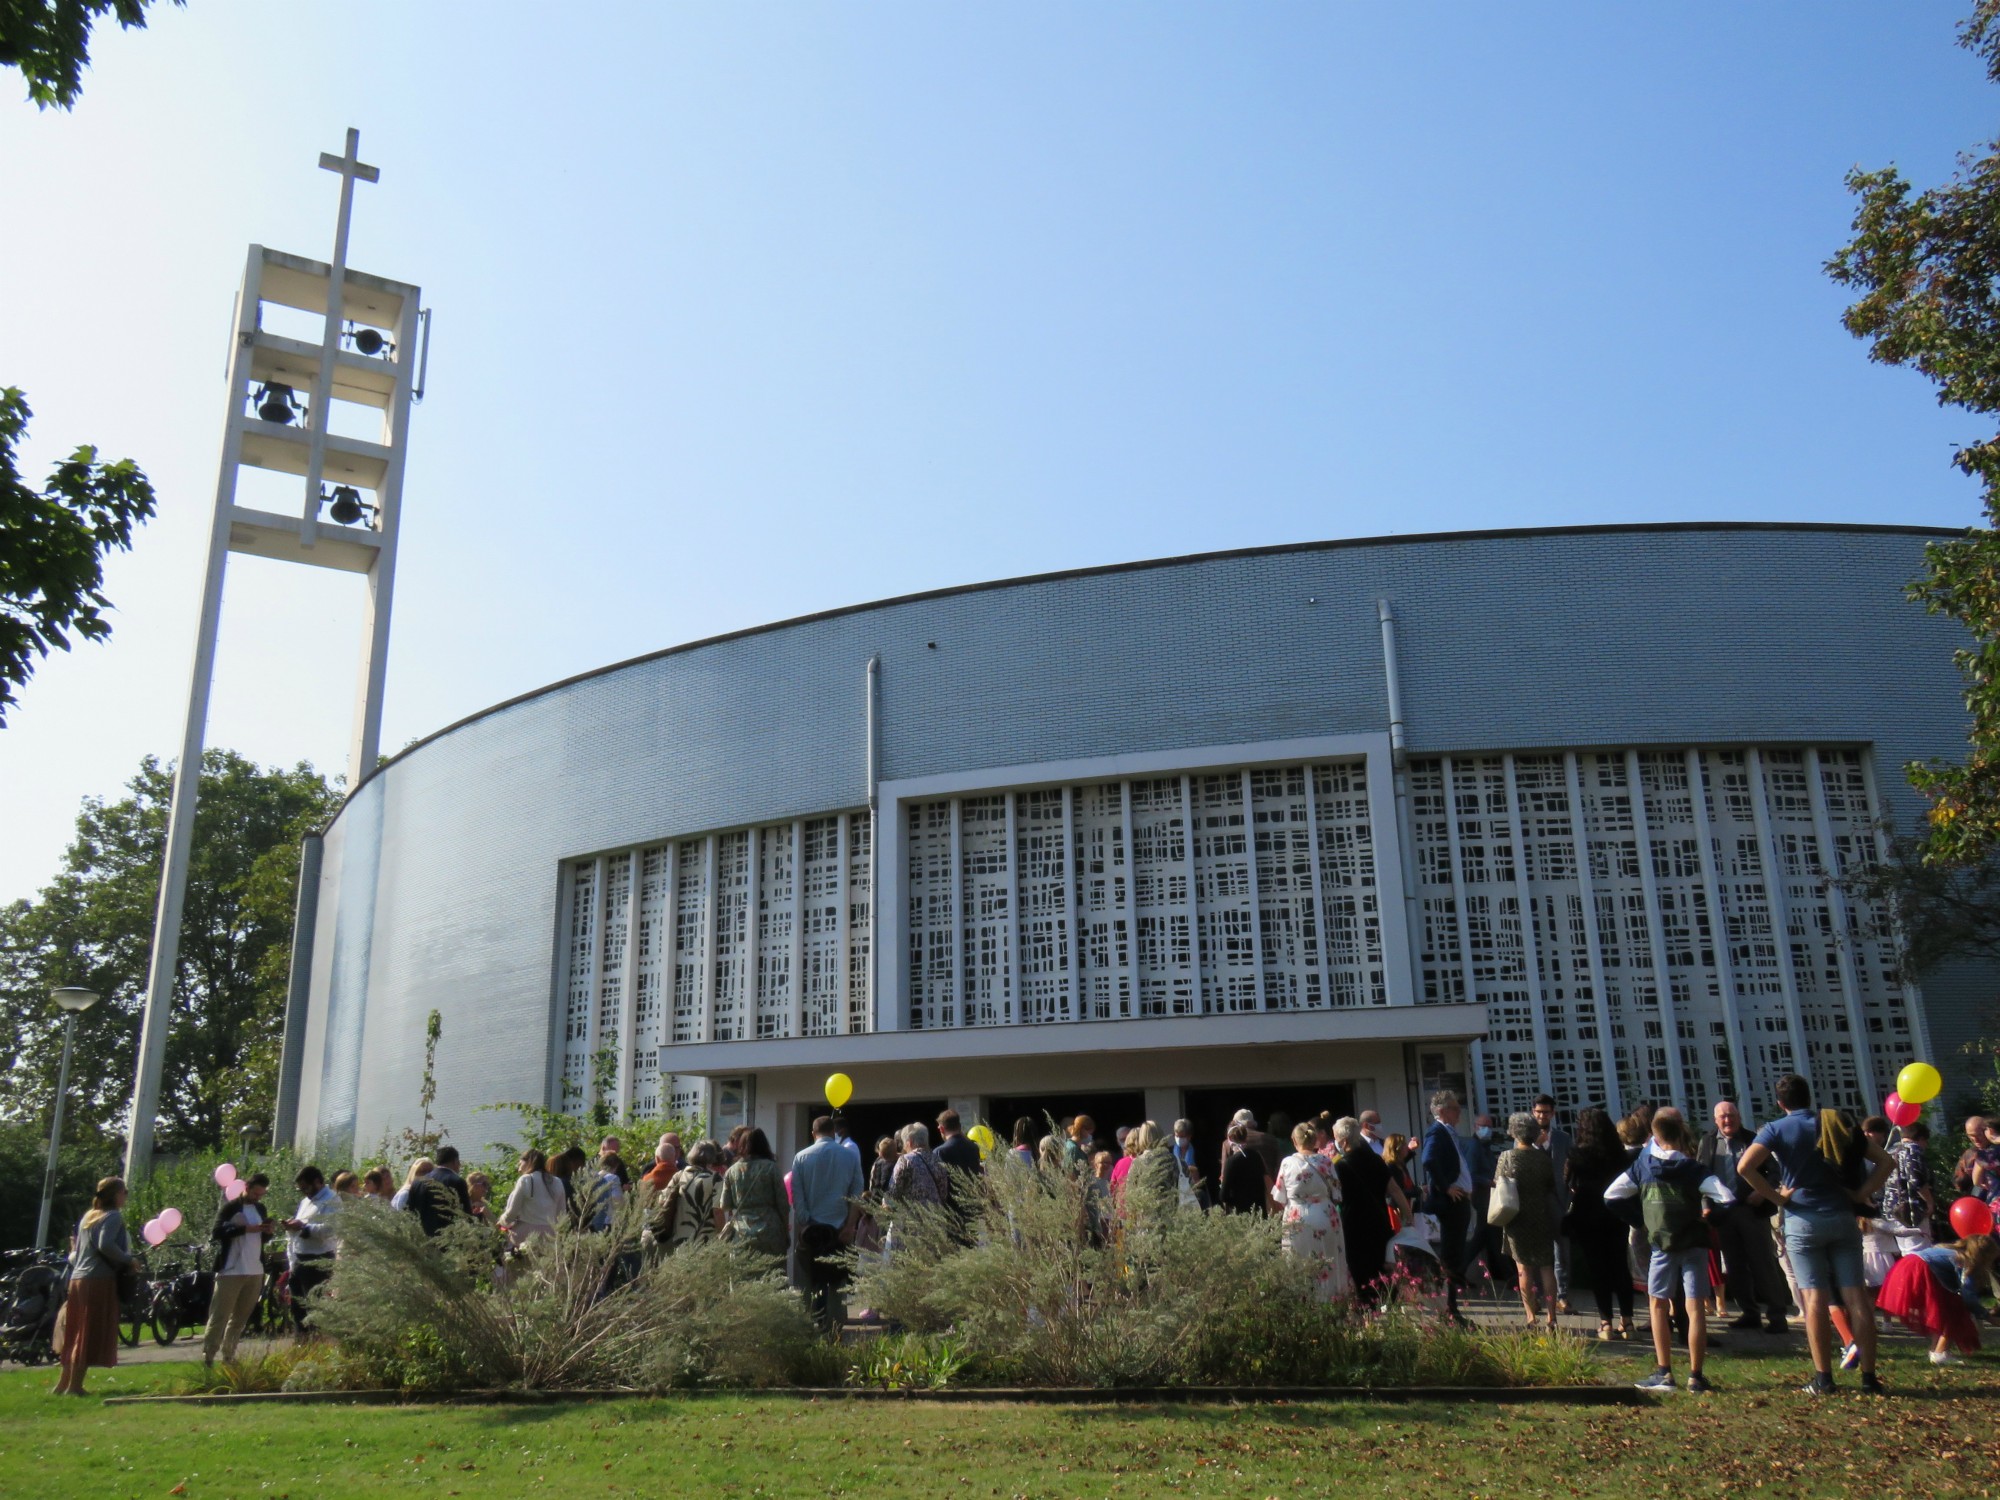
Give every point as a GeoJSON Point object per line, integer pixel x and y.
{"type": "Point", "coordinates": [49, 41]}
{"type": "Point", "coordinates": [1924, 265]}
{"type": "Point", "coordinates": [52, 546]}
{"type": "Point", "coordinates": [93, 926]}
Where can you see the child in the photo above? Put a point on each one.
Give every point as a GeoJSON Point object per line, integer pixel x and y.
{"type": "Point", "coordinates": [1934, 1291]}
{"type": "Point", "coordinates": [1670, 1186]}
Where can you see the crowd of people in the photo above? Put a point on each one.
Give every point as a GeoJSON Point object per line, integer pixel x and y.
{"type": "Point", "coordinates": [1812, 1211]}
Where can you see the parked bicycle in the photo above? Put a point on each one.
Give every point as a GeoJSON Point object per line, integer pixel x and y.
{"type": "Point", "coordinates": [180, 1295]}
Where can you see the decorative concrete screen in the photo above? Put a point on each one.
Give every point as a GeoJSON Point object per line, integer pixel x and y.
{"type": "Point", "coordinates": [1185, 895]}
{"type": "Point", "coordinates": [1640, 924]}
{"type": "Point", "coordinates": [1623, 859]}
{"type": "Point", "coordinates": [761, 932]}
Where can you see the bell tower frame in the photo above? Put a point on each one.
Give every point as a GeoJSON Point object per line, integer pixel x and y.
{"type": "Point", "coordinates": [372, 347]}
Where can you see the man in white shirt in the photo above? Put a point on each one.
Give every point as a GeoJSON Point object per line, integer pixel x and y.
{"type": "Point", "coordinates": [311, 1238]}
{"type": "Point", "coordinates": [240, 1229]}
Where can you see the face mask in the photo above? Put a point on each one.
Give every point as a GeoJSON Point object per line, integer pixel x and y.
{"type": "Point", "coordinates": [1484, 1132]}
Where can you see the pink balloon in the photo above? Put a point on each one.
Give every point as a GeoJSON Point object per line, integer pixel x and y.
{"type": "Point", "coordinates": [171, 1217]}
{"type": "Point", "coordinates": [225, 1174]}
{"type": "Point", "coordinates": [1900, 1111]}
{"type": "Point", "coordinates": [235, 1189]}
{"type": "Point", "coordinates": [154, 1232]}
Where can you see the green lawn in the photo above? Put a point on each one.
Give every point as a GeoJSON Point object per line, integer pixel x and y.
{"type": "Point", "coordinates": [1936, 1438]}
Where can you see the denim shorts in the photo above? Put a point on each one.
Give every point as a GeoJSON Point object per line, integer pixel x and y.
{"type": "Point", "coordinates": [1825, 1250]}
{"type": "Point", "coordinates": [1674, 1273]}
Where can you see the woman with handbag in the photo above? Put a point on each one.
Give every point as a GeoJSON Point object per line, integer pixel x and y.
{"type": "Point", "coordinates": [101, 1261]}
{"type": "Point", "coordinates": [756, 1210]}
{"type": "Point", "coordinates": [1523, 1206]}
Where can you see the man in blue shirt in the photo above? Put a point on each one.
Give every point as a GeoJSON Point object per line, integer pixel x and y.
{"type": "Point", "coordinates": [826, 1203]}
{"type": "Point", "coordinates": [1821, 1200]}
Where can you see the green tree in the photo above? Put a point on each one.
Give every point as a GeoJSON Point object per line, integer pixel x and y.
{"type": "Point", "coordinates": [93, 926]}
{"type": "Point", "coordinates": [52, 547]}
{"type": "Point", "coordinates": [49, 41]}
{"type": "Point", "coordinates": [1924, 264]}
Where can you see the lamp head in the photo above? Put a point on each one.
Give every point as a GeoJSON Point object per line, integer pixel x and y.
{"type": "Point", "coordinates": [73, 999]}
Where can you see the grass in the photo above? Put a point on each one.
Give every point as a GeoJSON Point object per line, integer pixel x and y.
{"type": "Point", "coordinates": [1933, 1440]}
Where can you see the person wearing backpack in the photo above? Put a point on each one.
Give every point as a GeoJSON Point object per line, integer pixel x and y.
{"type": "Point", "coordinates": [1670, 1187]}
{"type": "Point", "coordinates": [1825, 1177]}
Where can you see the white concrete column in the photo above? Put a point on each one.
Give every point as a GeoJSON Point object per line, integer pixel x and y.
{"type": "Point", "coordinates": [1256, 902]}
{"type": "Point", "coordinates": [1913, 999]}
{"type": "Point", "coordinates": [1593, 945]}
{"type": "Point", "coordinates": [1780, 911]}
{"type": "Point", "coordinates": [1531, 953]}
{"type": "Point", "coordinates": [1719, 932]}
{"type": "Point", "coordinates": [1656, 935]}
{"type": "Point", "coordinates": [1458, 884]}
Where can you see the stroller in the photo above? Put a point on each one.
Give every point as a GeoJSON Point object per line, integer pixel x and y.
{"type": "Point", "coordinates": [31, 1294]}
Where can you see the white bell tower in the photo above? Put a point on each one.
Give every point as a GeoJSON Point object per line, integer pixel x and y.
{"type": "Point", "coordinates": [284, 392]}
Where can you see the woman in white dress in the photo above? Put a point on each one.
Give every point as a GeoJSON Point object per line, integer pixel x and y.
{"type": "Point", "coordinates": [1308, 1196]}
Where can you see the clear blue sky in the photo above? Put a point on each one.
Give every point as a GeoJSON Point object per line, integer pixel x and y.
{"type": "Point", "coordinates": [747, 311]}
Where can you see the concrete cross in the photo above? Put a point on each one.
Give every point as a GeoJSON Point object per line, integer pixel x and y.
{"type": "Point", "coordinates": [350, 167]}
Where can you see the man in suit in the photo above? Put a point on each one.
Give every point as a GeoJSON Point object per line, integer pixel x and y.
{"type": "Point", "coordinates": [1263, 1145]}
{"type": "Point", "coordinates": [1556, 1141]}
{"type": "Point", "coordinates": [962, 1156]}
{"type": "Point", "coordinates": [1448, 1191]}
{"type": "Point", "coordinates": [441, 1196]}
{"type": "Point", "coordinates": [1749, 1258]}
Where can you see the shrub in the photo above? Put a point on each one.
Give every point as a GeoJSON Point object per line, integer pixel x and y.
{"type": "Point", "coordinates": [1055, 1292]}
{"type": "Point", "coordinates": [1052, 1294]}
{"type": "Point", "coordinates": [910, 1362]}
{"type": "Point", "coordinates": [257, 1373]}
{"type": "Point", "coordinates": [436, 1314]}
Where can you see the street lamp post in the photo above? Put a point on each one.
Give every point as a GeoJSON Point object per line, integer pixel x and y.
{"type": "Point", "coordinates": [74, 1002]}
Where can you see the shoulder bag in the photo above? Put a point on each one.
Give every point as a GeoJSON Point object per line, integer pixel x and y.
{"type": "Point", "coordinates": [1505, 1203]}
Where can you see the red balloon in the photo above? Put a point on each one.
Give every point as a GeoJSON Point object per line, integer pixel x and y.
{"type": "Point", "coordinates": [1969, 1217]}
{"type": "Point", "coordinates": [1900, 1111]}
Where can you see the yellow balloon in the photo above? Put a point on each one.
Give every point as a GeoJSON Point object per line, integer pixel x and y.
{"type": "Point", "coordinates": [1919, 1083]}
{"type": "Point", "coordinates": [982, 1137]}
{"type": "Point", "coordinates": [839, 1089]}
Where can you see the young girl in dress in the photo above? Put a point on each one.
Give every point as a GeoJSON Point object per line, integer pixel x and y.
{"type": "Point", "coordinates": [1935, 1290]}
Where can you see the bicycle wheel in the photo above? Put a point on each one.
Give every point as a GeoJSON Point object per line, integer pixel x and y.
{"type": "Point", "coordinates": [133, 1317]}
{"type": "Point", "coordinates": [166, 1319]}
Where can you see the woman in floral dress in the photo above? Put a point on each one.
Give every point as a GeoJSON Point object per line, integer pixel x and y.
{"type": "Point", "coordinates": [1308, 1194]}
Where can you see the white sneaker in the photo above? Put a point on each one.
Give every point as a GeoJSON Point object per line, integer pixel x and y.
{"type": "Point", "coordinates": [1850, 1357]}
{"type": "Point", "coordinates": [1943, 1357]}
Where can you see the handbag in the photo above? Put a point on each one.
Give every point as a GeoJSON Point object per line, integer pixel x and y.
{"type": "Point", "coordinates": [1505, 1202]}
